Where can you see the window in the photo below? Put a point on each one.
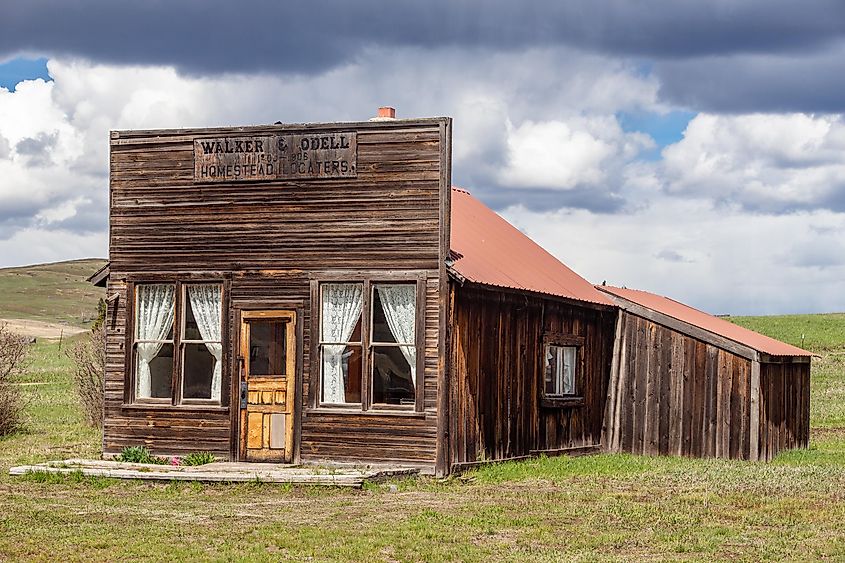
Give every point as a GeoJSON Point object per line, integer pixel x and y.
{"type": "Point", "coordinates": [368, 344]}
{"type": "Point", "coordinates": [178, 343]}
{"type": "Point", "coordinates": [560, 370]}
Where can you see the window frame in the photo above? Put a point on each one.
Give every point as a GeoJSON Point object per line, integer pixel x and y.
{"type": "Point", "coordinates": [564, 341]}
{"type": "Point", "coordinates": [176, 399]}
{"type": "Point", "coordinates": [369, 280]}
{"type": "Point", "coordinates": [182, 293]}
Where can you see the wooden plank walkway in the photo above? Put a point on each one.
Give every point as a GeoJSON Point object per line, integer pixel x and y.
{"type": "Point", "coordinates": [224, 472]}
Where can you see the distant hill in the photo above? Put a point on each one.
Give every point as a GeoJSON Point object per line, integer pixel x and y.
{"type": "Point", "coordinates": [52, 293]}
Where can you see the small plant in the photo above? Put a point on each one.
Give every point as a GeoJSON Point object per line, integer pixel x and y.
{"type": "Point", "coordinates": [14, 351]}
{"type": "Point", "coordinates": [198, 458]}
{"type": "Point", "coordinates": [140, 454]}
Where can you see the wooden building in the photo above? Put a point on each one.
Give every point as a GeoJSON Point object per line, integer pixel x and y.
{"type": "Point", "coordinates": [687, 383]}
{"type": "Point", "coordinates": [320, 292]}
{"type": "Point", "coordinates": [530, 345]}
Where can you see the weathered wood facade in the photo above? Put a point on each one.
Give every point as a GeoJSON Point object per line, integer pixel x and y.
{"type": "Point", "coordinates": [497, 341]}
{"type": "Point", "coordinates": [268, 241]}
{"type": "Point", "coordinates": [676, 389]}
{"type": "Point", "coordinates": [511, 353]}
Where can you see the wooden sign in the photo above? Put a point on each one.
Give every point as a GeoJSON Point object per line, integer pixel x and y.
{"type": "Point", "coordinates": [276, 157]}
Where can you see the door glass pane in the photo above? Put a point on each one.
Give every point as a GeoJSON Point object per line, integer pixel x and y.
{"type": "Point", "coordinates": [267, 347]}
{"type": "Point", "coordinates": [393, 382]}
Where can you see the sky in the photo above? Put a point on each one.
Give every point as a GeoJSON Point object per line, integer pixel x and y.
{"type": "Point", "coordinates": [693, 149]}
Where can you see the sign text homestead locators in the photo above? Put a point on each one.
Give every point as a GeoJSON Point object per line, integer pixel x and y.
{"type": "Point", "coordinates": [270, 157]}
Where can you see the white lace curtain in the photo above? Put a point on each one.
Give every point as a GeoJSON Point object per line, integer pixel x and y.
{"type": "Point", "coordinates": [341, 308]}
{"type": "Point", "coordinates": [568, 386]}
{"type": "Point", "coordinates": [154, 321]}
{"type": "Point", "coordinates": [206, 303]}
{"type": "Point", "coordinates": [399, 305]}
{"type": "Point", "coordinates": [564, 364]}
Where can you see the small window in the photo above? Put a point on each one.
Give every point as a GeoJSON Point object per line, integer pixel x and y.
{"type": "Point", "coordinates": [560, 367]}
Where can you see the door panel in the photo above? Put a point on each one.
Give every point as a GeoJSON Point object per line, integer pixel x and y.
{"type": "Point", "coordinates": [268, 377]}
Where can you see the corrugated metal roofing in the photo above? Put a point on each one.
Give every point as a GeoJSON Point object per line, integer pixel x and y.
{"type": "Point", "coordinates": [487, 249]}
{"type": "Point", "coordinates": [708, 322]}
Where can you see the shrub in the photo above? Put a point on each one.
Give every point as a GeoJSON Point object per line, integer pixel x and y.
{"type": "Point", "coordinates": [14, 352]}
{"type": "Point", "coordinates": [139, 454]}
{"type": "Point", "coordinates": [89, 368]}
{"type": "Point", "coordinates": [198, 458]}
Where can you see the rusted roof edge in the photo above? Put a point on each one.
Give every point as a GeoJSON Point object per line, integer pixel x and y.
{"type": "Point", "coordinates": [716, 339]}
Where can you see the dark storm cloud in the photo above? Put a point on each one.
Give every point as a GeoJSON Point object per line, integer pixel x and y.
{"type": "Point", "coordinates": [307, 37]}
{"type": "Point", "coordinates": [757, 83]}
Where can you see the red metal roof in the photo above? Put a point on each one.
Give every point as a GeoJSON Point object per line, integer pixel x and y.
{"type": "Point", "coordinates": [487, 249]}
{"type": "Point", "coordinates": [718, 326]}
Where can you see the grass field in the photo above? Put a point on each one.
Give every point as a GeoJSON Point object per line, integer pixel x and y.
{"type": "Point", "coordinates": [604, 507]}
{"type": "Point", "coordinates": [51, 292]}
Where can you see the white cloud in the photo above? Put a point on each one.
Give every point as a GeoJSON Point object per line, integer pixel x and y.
{"type": "Point", "coordinates": [761, 161]}
{"type": "Point", "coordinates": [563, 155]}
{"type": "Point", "coordinates": [723, 260]}
{"type": "Point", "coordinates": [35, 246]}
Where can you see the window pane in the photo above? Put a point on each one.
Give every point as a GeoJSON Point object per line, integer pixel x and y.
{"type": "Point", "coordinates": [203, 306]}
{"type": "Point", "coordinates": [568, 381]}
{"type": "Point", "coordinates": [551, 370]}
{"type": "Point", "coordinates": [393, 381]}
{"type": "Point", "coordinates": [154, 376]}
{"type": "Point", "coordinates": [192, 331]}
{"type": "Point", "coordinates": [154, 313]}
{"type": "Point", "coordinates": [341, 373]}
{"type": "Point", "coordinates": [341, 305]}
{"type": "Point", "coordinates": [394, 313]}
{"type": "Point", "coordinates": [267, 348]}
{"type": "Point", "coordinates": [559, 376]}
{"type": "Point", "coordinates": [198, 365]}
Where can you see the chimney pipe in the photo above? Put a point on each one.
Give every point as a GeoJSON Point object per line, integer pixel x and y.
{"type": "Point", "coordinates": [385, 113]}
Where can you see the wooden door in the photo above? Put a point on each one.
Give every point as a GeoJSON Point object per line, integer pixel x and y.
{"type": "Point", "coordinates": [267, 385]}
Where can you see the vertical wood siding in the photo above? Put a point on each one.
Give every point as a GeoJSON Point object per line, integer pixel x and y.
{"type": "Point", "coordinates": [784, 407]}
{"type": "Point", "coordinates": [496, 369]}
{"type": "Point", "coordinates": [269, 238]}
{"type": "Point", "coordinates": [671, 394]}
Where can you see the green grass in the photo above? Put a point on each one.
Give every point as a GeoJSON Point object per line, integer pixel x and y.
{"type": "Point", "coordinates": [597, 508]}
{"type": "Point", "coordinates": [51, 292]}
{"type": "Point", "coordinates": [816, 333]}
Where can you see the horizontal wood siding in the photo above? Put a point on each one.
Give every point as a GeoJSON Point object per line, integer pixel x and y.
{"type": "Point", "coordinates": [784, 407]}
{"type": "Point", "coordinates": [270, 239]}
{"type": "Point", "coordinates": [496, 374]}
{"type": "Point", "coordinates": [671, 394]}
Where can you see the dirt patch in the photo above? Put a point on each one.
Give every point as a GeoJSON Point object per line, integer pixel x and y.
{"type": "Point", "coordinates": [41, 329]}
